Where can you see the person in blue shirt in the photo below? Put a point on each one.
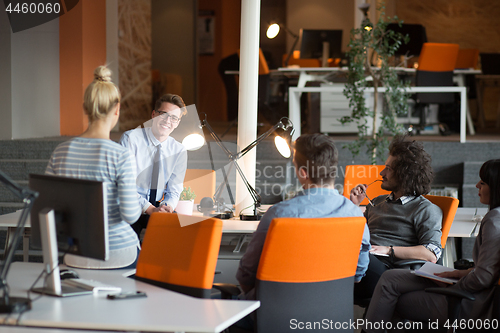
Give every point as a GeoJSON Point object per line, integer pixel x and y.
{"type": "Point", "coordinates": [315, 160]}
{"type": "Point", "coordinates": [158, 188]}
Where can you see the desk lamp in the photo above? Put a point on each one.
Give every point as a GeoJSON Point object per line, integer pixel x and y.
{"type": "Point", "coordinates": [282, 142]}
{"type": "Point", "coordinates": [274, 29]}
{"type": "Point", "coordinates": [15, 304]}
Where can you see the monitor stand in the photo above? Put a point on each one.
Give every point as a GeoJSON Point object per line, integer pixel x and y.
{"type": "Point", "coordinates": [53, 285]}
{"type": "Point", "coordinates": [326, 54]}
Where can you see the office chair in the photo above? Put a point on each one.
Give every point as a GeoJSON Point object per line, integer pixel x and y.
{"type": "Point", "coordinates": [467, 58]}
{"type": "Point", "coordinates": [435, 68]}
{"type": "Point", "coordinates": [306, 271]}
{"type": "Point", "coordinates": [449, 206]}
{"type": "Point", "coordinates": [201, 181]}
{"type": "Point", "coordinates": [364, 174]}
{"type": "Point", "coordinates": [180, 258]}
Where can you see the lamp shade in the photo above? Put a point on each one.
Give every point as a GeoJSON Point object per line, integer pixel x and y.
{"type": "Point", "coordinates": [283, 142]}
{"type": "Point", "coordinates": [273, 30]}
{"type": "Point", "coordinates": [193, 141]}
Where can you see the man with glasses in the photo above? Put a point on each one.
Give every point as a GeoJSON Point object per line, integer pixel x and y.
{"type": "Point", "coordinates": [403, 224]}
{"type": "Point", "coordinates": [160, 161]}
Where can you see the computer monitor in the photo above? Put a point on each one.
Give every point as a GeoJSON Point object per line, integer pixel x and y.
{"type": "Point", "coordinates": [70, 215]}
{"type": "Point", "coordinates": [417, 35]}
{"type": "Point", "coordinates": [311, 45]}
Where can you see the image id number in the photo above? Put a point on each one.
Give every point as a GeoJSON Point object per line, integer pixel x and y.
{"type": "Point", "coordinates": [33, 8]}
{"type": "Point", "coordinates": [472, 324]}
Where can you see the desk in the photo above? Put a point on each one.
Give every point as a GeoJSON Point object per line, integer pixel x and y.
{"type": "Point", "coordinates": [9, 221]}
{"type": "Point", "coordinates": [161, 311]}
{"type": "Point", "coordinates": [463, 226]}
{"type": "Point", "coordinates": [294, 107]}
{"type": "Point", "coordinates": [320, 73]}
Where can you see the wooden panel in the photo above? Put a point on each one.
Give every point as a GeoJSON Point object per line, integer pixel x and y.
{"type": "Point", "coordinates": [469, 23]}
{"type": "Point", "coordinates": [134, 47]}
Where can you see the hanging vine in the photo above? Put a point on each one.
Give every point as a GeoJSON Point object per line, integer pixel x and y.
{"type": "Point", "coordinates": [374, 44]}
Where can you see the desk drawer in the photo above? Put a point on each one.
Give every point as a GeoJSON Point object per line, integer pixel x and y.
{"type": "Point", "coordinates": [333, 125]}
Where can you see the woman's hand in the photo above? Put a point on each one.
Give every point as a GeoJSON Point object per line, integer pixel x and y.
{"type": "Point", "coordinates": [456, 274]}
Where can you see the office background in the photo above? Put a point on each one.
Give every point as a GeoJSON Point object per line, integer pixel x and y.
{"type": "Point", "coordinates": [45, 69]}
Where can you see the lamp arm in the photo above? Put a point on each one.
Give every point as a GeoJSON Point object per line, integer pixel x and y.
{"type": "Point", "coordinates": [258, 140]}
{"type": "Point", "coordinates": [290, 31]}
{"type": "Point", "coordinates": [255, 196]}
{"type": "Point", "coordinates": [28, 197]}
{"type": "Point", "coordinates": [293, 47]}
{"type": "Point", "coordinates": [217, 139]}
{"type": "Point", "coordinates": [20, 192]}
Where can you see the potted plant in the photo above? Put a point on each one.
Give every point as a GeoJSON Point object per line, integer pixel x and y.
{"type": "Point", "coordinates": [369, 44]}
{"type": "Point", "coordinates": [186, 202]}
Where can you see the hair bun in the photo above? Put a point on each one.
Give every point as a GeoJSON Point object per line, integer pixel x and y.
{"type": "Point", "coordinates": [103, 74]}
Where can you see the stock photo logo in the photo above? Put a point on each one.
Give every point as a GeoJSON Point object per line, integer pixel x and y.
{"type": "Point", "coordinates": [27, 14]}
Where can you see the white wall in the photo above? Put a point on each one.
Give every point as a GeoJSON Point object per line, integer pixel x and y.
{"type": "Point", "coordinates": [5, 75]}
{"type": "Point", "coordinates": [30, 91]}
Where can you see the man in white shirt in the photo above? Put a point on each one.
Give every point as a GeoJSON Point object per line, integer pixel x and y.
{"type": "Point", "coordinates": [160, 161]}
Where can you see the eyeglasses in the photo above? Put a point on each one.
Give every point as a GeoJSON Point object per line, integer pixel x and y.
{"type": "Point", "coordinates": [369, 200]}
{"type": "Point", "coordinates": [164, 115]}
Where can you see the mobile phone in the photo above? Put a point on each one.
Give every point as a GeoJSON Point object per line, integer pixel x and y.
{"type": "Point", "coordinates": [127, 294]}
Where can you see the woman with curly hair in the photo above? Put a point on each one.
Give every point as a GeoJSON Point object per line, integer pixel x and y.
{"type": "Point", "coordinates": [403, 224]}
{"type": "Point", "coordinates": [400, 294]}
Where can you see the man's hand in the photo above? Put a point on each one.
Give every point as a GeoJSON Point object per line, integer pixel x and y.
{"type": "Point", "coordinates": [358, 193]}
{"type": "Point", "coordinates": [152, 209]}
{"type": "Point", "coordinates": [166, 209]}
{"type": "Point", "coordinates": [380, 249]}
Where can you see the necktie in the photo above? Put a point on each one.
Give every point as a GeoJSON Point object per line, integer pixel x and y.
{"type": "Point", "coordinates": [154, 176]}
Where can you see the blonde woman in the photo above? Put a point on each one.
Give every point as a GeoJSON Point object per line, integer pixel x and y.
{"type": "Point", "coordinates": [94, 156]}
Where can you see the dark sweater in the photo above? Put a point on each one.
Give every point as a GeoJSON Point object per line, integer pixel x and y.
{"type": "Point", "coordinates": [417, 222]}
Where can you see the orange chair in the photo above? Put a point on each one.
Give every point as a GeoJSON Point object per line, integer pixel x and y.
{"type": "Point", "coordinates": [467, 58]}
{"type": "Point", "coordinates": [435, 68]}
{"type": "Point", "coordinates": [449, 207]}
{"type": "Point", "coordinates": [180, 258]}
{"type": "Point", "coordinates": [201, 181]}
{"type": "Point", "coordinates": [306, 271]}
{"type": "Point", "coordinates": [364, 174]}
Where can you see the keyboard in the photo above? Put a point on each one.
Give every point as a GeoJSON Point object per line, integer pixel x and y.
{"type": "Point", "coordinates": [90, 285]}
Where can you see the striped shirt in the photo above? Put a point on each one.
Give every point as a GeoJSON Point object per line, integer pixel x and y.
{"type": "Point", "coordinates": [106, 161]}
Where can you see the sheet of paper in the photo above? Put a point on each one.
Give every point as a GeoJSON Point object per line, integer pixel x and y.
{"type": "Point", "coordinates": [429, 269]}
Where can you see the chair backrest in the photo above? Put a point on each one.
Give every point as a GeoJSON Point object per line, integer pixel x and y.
{"type": "Point", "coordinates": [438, 57]}
{"type": "Point", "coordinates": [180, 258]}
{"type": "Point", "coordinates": [449, 207]}
{"type": "Point", "coordinates": [306, 271]}
{"type": "Point", "coordinates": [364, 174]}
{"type": "Point", "coordinates": [435, 68]}
{"type": "Point", "coordinates": [467, 58]}
{"type": "Point", "coordinates": [201, 181]}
